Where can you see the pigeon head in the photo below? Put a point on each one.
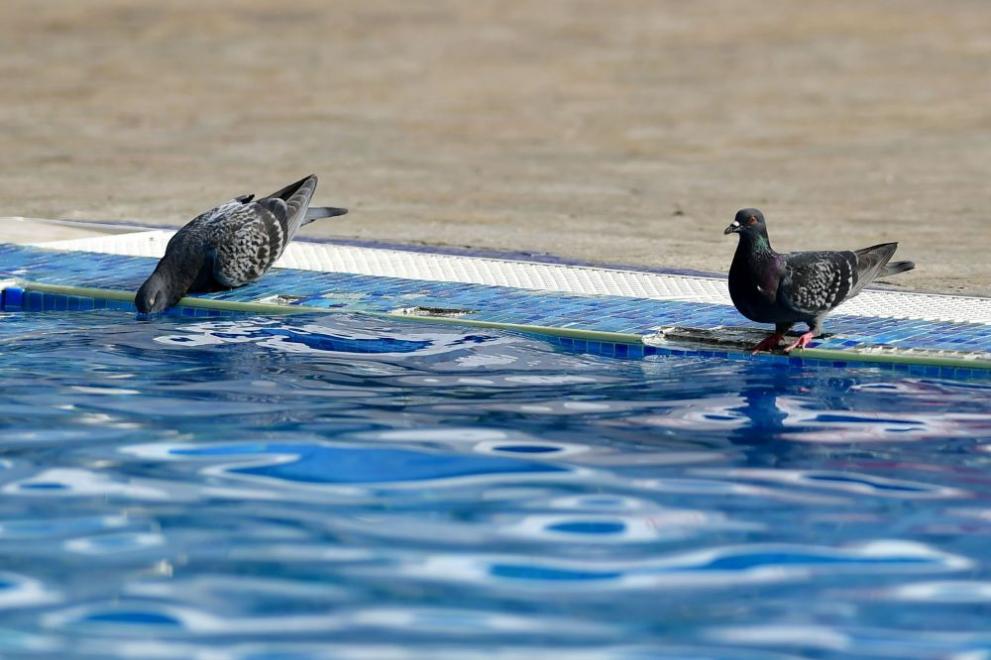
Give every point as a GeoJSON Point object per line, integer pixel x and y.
{"type": "Point", "coordinates": [156, 294]}
{"type": "Point", "coordinates": [747, 221]}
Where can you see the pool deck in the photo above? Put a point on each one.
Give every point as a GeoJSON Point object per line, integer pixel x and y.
{"type": "Point", "coordinates": [622, 312]}
{"type": "Point", "coordinates": [625, 133]}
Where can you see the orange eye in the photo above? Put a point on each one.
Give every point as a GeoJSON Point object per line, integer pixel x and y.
{"type": "Point", "coordinates": [751, 221]}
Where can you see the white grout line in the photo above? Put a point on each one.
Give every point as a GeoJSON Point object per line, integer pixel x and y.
{"type": "Point", "coordinates": [563, 278]}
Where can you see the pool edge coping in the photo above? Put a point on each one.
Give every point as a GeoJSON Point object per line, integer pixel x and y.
{"type": "Point", "coordinates": [543, 276]}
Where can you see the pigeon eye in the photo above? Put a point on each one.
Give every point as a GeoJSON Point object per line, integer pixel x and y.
{"type": "Point", "coordinates": [751, 221]}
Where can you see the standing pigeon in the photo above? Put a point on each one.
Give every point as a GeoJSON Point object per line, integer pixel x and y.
{"type": "Point", "coordinates": [785, 289]}
{"type": "Point", "coordinates": [231, 245]}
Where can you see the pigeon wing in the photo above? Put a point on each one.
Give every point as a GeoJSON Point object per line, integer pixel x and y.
{"type": "Point", "coordinates": [816, 282]}
{"type": "Point", "coordinates": [872, 263]}
{"type": "Point", "coordinates": [296, 197]}
{"type": "Point", "coordinates": [247, 241]}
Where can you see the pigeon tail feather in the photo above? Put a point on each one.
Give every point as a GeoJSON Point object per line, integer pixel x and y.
{"type": "Point", "coordinates": [897, 267]}
{"type": "Point", "coordinates": [317, 212]}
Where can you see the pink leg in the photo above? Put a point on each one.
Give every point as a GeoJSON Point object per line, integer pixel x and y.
{"type": "Point", "coordinates": [768, 344]}
{"type": "Point", "coordinates": [801, 342]}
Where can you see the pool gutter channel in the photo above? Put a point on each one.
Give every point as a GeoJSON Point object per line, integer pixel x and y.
{"type": "Point", "coordinates": [666, 340]}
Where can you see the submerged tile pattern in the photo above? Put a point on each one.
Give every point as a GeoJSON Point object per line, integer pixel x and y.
{"type": "Point", "coordinates": [342, 291]}
{"type": "Point", "coordinates": [15, 299]}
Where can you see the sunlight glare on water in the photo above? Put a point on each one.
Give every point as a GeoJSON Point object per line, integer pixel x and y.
{"type": "Point", "coordinates": [341, 486]}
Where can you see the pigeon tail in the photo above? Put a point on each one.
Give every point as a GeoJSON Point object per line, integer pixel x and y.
{"type": "Point", "coordinates": [317, 212]}
{"type": "Point", "coordinates": [897, 267]}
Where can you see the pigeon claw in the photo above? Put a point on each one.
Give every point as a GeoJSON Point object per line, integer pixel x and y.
{"type": "Point", "coordinates": [801, 342]}
{"type": "Point", "coordinates": [768, 344]}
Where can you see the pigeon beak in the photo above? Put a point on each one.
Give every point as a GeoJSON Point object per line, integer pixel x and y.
{"type": "Point", "coordinates": [732, 229]}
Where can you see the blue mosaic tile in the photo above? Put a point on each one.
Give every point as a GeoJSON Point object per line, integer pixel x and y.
{"type": "Point", "coordinates": [11, 299]}
{"type": "Point", "coordinates": [350, 292]}
{"type": "Point", "coordinates": [34, 300]}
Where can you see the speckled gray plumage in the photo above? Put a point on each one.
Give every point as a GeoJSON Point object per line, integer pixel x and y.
{"type": "Point", "coordinates": [785, 289]}
{"type": "Point", "coordinates": [230, 245]}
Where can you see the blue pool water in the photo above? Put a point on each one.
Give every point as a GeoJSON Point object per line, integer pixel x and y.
{"type": "Point", "coordinates": [338, 486]}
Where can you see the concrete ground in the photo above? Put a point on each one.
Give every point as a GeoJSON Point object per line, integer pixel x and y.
{"type": "Point", "coordinates": [627, 131]}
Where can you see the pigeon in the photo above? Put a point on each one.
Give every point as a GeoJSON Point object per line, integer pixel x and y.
{"type": "Point", "coordinates": [230, 245]}
{"type": "Point", "coordinates": [785, 289]}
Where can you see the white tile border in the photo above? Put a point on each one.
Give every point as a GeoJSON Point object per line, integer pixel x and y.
{"type": "Point", "coordinates": [583, 280]}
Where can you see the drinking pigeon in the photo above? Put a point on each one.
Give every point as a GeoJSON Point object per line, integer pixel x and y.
{"type": "Point", "coordinates": [230, 245]}
{"type": "Point", "coordinates": [785, 289]}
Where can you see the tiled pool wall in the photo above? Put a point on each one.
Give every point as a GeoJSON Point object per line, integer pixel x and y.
{"type": "Point", "coordinates": [629, 351]}
{"type": "Point", "coordinates": [16, 299]}
{"type": "Point", "coordinates": [486, 303]}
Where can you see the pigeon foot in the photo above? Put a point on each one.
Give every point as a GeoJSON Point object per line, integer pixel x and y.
{"type": "Point", "coordinates": [801, 342]}
{"type": "Point", "coordinates": [768, 344]}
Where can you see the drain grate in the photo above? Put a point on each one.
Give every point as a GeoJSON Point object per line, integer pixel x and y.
{"type": "Point", "coordinates": [442, 312]}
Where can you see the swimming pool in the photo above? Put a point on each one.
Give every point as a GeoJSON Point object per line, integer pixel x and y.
{"type": "Point", "coordinates": [348, 486]}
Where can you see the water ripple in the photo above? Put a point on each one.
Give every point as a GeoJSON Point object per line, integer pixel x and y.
{"type": "Point", "coordinates": [850, 482]}
{"type": "Point", "coordinates": [344, 486]}
{"type": "Point", "coordinates": [20, 591]}
{"type": "Point", "coordinates": [714, 567]}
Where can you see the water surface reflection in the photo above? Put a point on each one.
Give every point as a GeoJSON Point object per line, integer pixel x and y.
{"type": "Point", "coordinates": [335, 485]}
